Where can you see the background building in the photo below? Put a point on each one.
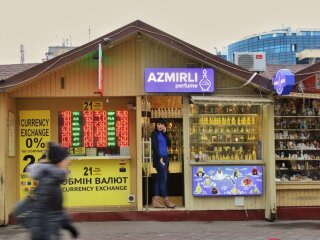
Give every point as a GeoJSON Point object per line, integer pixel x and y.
{"type": "Point", "coordinates": [282, 46]}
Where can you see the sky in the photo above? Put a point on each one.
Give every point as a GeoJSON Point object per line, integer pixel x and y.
{"type": "Point", "coordinates": [207, 24]}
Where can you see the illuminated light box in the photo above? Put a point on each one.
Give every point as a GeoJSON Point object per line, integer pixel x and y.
{"type": "Point", "coordinates": [226, 180]}
{"type": "Point", "coordinates": [93, 128]}
{"type": "Point", "coordinates": [122, 128]}
{"type": "Point", "coordinates": [111, 128]}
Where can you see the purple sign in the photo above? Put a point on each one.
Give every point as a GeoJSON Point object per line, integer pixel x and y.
{"type": "Point", "coordinates": [283, 81]}
{"type": "Point", "coordinates": [173, 80]}
{"type": "Point", "coordinates": [235, 180]}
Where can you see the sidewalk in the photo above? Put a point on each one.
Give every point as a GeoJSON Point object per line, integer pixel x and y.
{"type": "Point", "coordinates": [235, 230]}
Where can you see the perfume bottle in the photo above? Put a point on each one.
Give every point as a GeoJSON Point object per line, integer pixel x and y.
{"type": "Point", "coordinates": [254, 154]}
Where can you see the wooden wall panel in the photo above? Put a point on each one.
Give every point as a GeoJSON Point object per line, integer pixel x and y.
{"type": "Point", "coordinates": [300, 197]}
{"type": "Point", "coordinates": [3, 157]}
{"type": "Point", "coordinates": [11, 164]}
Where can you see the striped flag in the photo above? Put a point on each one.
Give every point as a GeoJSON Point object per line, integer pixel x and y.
{"type": "Point", "coordinates": [100, 71]}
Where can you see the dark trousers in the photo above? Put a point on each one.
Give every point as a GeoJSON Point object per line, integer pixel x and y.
{"type": "Point", "coordinates": [160, 180]}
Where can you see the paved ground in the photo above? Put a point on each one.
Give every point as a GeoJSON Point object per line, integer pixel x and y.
{"type": "Point", "coordinates": [290, 230]}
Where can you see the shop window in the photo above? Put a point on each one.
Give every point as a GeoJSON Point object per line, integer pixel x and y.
{"type": "Point", "coordinates": [225, 132]}
{"type": "Point", "coordinates": [297, 140]}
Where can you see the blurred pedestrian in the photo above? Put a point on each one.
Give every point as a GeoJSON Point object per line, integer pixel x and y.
{"type": "Point", "coordinates": [160, 143]}
{"type": "Point", "coordinates": [48, 215]}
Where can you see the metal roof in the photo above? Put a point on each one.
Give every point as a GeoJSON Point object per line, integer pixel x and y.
{"type": "Point", "coordinates": [9, 70]}
{"type": "Point", "coordinates": [307, 72]}
{"type": "Point", "coordinates": [272, 69]}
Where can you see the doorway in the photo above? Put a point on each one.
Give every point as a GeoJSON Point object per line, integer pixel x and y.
{"type": "Point", "coordinates": [170, 109]}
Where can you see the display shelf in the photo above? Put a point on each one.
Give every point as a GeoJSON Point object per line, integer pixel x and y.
{"type": "Point", "coordinates": [297, 141]}
{"type": "Point", "coordinates": [292, 139]}
{"type": "Point", "coordinates": [294, 159]}
{"type": "Point", "coordinates": [226, 133]}
{"type": "Point", "coordinates": [229, 162]}
{"type": "Point", "coordinates": [210, 143]}
{"type": "Point", "coordinates": [220, 133]}
{"type": "Point", "coordinates": [299, 130]}
{"type": "Point", "coordinates": [226, 115]}
{"type": "Point", "coordinates": [98, 157]}
{"type": "Point", "coordinates": [298, 149]}
{"type": "Point", "coordinates": [297, 116]}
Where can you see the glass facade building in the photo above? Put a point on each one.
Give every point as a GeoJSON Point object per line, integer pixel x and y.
{"type": "Point", "coordinates": [280, 46]}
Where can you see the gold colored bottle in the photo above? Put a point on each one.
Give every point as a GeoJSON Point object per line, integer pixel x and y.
{"type": "Point", "coordinates": [254, 154]}
{"type": "Point", "coordinates": [249, 120]}
{"type": "Point", "coordinates": [244, 121]}
{"type": "Point", "coordinates": [253, 120]}
{"type": "Point", "coordinates": [214, 121]}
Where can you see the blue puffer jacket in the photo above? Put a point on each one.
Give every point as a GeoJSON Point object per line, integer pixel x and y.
{"type": "Point", "coordinates": [48, 215]}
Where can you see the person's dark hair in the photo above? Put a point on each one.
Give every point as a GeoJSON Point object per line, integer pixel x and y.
{"type": "Point", "coordinates": [159, 120]}
{"type": "Point", "coordinates": [56, 153]}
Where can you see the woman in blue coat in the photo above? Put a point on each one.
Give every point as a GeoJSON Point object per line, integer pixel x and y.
{"type": "Point", "coordinates": [160, 143]}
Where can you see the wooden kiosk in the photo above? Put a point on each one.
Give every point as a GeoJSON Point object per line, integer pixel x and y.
{"type": "Point", "coordinates": [106, 181]}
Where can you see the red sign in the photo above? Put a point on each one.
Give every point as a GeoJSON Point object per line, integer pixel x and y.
{"type": "Point", "coordinates": [259, 56]}
{"type": "Point", "coordinates": [65, 129]}
{"type": "Point", "coordinates": [122, 128]}
{"type": "Point", "coordinates": [83, 129]}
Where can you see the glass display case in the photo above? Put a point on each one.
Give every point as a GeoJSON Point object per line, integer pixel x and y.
{"type": "Point", "coordinates": [225, 132]}
{"type": "Point", "coordinates": [297, 139]}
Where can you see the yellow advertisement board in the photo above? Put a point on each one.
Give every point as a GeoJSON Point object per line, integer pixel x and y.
{"type": "Point", "coordinates": [99, 182]}
{"type": "Point", "coordinates": [34, 133]}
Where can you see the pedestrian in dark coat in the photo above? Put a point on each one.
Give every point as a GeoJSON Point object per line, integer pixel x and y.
{"type": "Point", "coordinates": [48, 215]}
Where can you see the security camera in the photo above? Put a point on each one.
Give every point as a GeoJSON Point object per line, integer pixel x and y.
{"type": "Point", "coordinates": [106, 40]}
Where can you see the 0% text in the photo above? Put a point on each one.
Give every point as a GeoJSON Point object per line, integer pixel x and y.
{"type": "Point", "coordinates": [35, 142]}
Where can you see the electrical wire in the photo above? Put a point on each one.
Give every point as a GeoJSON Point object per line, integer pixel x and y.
{"type": "Point", "coordinates": [246, 83]}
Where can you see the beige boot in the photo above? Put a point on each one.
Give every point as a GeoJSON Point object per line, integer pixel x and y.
{"type": "Point", "coordinates": [156, 202]}
{"type": "Point", "coordinates": [168, 203]}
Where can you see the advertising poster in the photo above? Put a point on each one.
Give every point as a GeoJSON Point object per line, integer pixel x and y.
{"type": "Point", "coordinates": [102, 182]}
{"type": "Point", "coordinates": [34, 133]}
{"type": "Point", "coordinates": [235, 180]}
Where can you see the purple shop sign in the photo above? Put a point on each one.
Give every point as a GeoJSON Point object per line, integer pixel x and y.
{"type": "Point", "coordinates": [283, 81]}
{"type": "Point", "coordinates": [173, 80]}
